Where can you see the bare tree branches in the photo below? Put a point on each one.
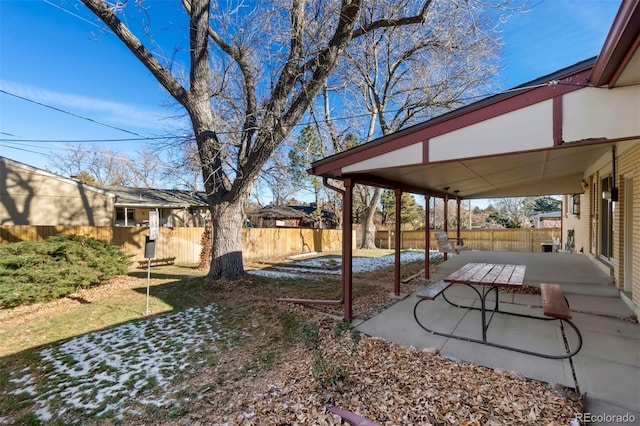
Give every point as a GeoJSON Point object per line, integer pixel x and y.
{"type": "Point", "coordinates": [108, 16]}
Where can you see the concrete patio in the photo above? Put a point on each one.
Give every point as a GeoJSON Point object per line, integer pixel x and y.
{"type": "Point", "coordinates": [607, 369]}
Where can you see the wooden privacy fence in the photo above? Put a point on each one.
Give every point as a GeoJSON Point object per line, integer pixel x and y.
{"type": "Point", "coordinates": [184, 243]}
{"type": "Point", "coordinates": [477, 239]}
{"type": "Point", "coordinates": [260, 243]}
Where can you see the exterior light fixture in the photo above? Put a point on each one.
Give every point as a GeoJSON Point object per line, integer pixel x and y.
{"type": "Point", "coordinates": [585, 185]}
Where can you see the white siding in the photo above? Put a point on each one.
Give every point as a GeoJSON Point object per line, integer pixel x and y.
{"type": "Point", "coordinates": [521, 130]}
{"type": "Point", "coordinates": [601, 113]}
{"type": "Point", "coordinates": [406, 156]}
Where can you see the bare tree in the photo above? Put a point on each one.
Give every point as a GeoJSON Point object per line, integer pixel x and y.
{"type": "Point", "coordinates": [400, 76]}
{"type": "Point", "coordinates": [269, 60]}
{"type": "Point", "coordinates": [103, 166]}
{"type": "Point", "coordinates": [517, 209]}
{"type": "Point", "coordinates": [107, 167]}
{"type": "Point", "coordinates": [181, 164]}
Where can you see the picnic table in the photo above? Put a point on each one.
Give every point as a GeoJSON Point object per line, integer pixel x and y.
{"type": "Point", "coordinates": [487, 278]}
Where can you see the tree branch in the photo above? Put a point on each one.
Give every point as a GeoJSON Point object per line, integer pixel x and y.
{"type": "Point", "coordinates": [164, 77]}
{"type": "Point", "coordinates": [398, 22]}
{"type": "Point", "coordinates": [249, 85]}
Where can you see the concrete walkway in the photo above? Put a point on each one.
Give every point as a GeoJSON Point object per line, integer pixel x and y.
{"type": "Point", "coordinates": [607, 369]}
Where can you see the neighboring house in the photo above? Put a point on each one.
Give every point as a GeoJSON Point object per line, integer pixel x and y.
{"type": "Point", "coordinates": [291, 217]}
{"type": "Point", "coordinates": [574, 132]}
{"type": "Point", "coordinates": [175, 207]}
{"type": "Point", "coordinates": [31, 196]}
{"type": "Point", "coordinates": [277, 216]}
{"type": "Point", "coordinates": [547, 220]}
{"type": "Point", "coordinates": [329, 219]}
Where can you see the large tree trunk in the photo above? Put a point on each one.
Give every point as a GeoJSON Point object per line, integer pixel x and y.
{"type": "Point", "coordinates": [368, 227]}
{"type": "Point", "coordinates": [226, 254]}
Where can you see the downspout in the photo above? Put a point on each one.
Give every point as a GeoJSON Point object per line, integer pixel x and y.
{"type": "Point", "coordinates": [324, 301]}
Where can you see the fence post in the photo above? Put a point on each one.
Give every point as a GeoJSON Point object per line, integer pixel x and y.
{"type": "Point", "coordinates": [531, 240]}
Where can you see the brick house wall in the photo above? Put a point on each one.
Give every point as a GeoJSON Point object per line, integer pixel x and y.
{"type": "Point", "coordinates": [628, 171]}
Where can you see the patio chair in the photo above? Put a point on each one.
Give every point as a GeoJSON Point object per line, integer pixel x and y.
{"type": "Point", "coordinates": [449, 245]}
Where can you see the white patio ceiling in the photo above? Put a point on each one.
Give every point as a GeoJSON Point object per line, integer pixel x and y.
{"type": "Point", "coordinates": [556, 170]}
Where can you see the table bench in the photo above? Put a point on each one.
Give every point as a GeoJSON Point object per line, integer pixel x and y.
{"type": "Point", "coordinates": [554, 304]}
{"type": "Point", "coordinates": [432, 291]}
{"type": "Point", "coordinates": [484, 279]}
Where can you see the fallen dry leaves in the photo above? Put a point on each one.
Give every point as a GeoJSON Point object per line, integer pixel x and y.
{"type": "Point", "coordinates": [391, 385]}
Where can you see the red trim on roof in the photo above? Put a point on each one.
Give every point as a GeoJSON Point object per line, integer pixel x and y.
{"type": "Point", "coordinates": [425, 152]}
{"type": "Point", "coordinates": [621, 43]}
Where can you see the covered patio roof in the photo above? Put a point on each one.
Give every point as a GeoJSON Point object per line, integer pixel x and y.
{"type": "Point", "coordinates": [531, 140]}
{"type": "Point", "coordinates": [535, 139]}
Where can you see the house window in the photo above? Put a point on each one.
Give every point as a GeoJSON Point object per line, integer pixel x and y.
{"type": "Point", "coordinates": [120, 216]}
{"type": "Point", "coordinates": [575, 204]}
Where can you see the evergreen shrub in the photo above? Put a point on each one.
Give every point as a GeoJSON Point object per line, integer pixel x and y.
{"type": "Point", "coordinates": [32, 272]}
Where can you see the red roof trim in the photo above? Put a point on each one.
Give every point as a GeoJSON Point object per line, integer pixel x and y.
{"type": "Point", "coordinates": [557, 120]}
{"type": "Point", "coordinates": [619, 46]}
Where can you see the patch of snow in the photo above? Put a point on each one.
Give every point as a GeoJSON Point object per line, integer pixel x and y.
{"type": "Point", "coordinates": [99, 372]}
{"type": "Point", "coordinates": [333, 265]}
{"type": "Point", "coordinates": [270, 273]}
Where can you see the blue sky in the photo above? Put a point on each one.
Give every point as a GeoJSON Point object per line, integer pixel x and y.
{"type": "Point", "coordinates": [53, 52]}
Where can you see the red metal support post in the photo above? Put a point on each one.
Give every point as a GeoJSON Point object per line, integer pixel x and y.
{"type": "Point", "coordinates": [347, 243]}
{"type": "Point", "coordinates": [458, 200]}
{"type": "Point", "coordinates": [427, 237]}
{"type": "Point", "coordinates": [446, 216]}
{"type": "Point", "coordinates": [396, 270]}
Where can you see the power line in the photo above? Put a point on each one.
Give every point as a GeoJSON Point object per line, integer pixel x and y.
{"type": "Point", "coordinates": [19, 144]}
{"type": "Point", "coordinates": [73, 14]}
{"type": "Point", "coordinates": [73, 114]}
{"type": "Point", "coordinates": [93, 140]}
{"type": "Point", "coordinates": [22, 149]}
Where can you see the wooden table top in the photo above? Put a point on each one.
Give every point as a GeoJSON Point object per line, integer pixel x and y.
{"type": "Point", "coordinates": [488, 274]}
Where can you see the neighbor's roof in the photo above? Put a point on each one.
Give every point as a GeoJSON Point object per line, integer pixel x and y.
{"type": "Point", "coordinates": [310, 209]}
{"type": "Point", "coordinates": [278, 212]}
{"type": "Point", "coordinates": [548, 215]}
{"type": "Point", "coordinates": [157, 198]}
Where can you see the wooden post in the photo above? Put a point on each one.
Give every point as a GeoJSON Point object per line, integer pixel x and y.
{"type": "Point", "coordinates": [531, 240]}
